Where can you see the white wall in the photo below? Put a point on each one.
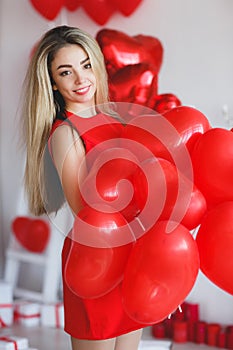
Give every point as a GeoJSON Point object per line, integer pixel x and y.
{"type": "Point", "coordinates": [197, 67]}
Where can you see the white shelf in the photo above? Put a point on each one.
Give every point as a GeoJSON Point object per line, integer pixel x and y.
{"type": "Point", "coordinates": [39, 259]}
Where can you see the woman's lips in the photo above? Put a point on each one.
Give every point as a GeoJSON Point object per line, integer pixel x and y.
{"type": "Point", "coordinates": [82, 91]}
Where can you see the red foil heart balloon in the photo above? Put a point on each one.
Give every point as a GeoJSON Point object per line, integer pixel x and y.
{"type": "Point", "coordinates": [165, 102]}
{"type": "Point", "coordinates": [134, 83]}
{"type": "Point", "coordinates": [121, 50]}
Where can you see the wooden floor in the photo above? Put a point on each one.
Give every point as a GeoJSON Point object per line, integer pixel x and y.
{"type": "Point", "coordinates": [43, 338]}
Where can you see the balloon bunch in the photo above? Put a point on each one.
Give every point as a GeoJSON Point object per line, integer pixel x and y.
{"type": "Point", "coordinates": [212, 159]}
{"type": "Point", "coordinates": [133, 64]}
{"type": "Point", "coordinates": [99, 11]}
{"type": "Point", "coordinates": [140, 204]}
{"type": "Point", "coordinates": [32, 234]}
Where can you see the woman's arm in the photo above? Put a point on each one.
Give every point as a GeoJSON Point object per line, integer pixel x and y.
{"type": "Point", "coordinates": [69, 158]}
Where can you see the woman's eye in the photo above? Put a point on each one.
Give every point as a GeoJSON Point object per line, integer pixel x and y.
{"type": "Point", "coordinates": [87, 66]}
{"type": "Point", "coordinates": [67, 72]}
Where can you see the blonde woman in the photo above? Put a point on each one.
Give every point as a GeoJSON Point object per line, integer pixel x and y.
{"type": "Point", "coordinates": [66, 78]}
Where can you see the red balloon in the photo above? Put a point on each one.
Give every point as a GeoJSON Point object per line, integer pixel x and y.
{"type": "Point", "coordinates": [110, 181]}
{"type": "Point", "coordinates": [32, 234]}
{"type": "Point", "coordinates": [160, 273]}
{"type": "Point", "coordinates": [196, 209]}
{"type": "Point", "coordinates": [121, 50]}
{"type": "Point", "coordinates": [72, 5]}
{"type": "Point", "coordinates": [165, 102]}
{"type": "Point", "coordinates": [189, 122]}
{"type": "Point", "coordinates": [20, 226]}
{"type": "Point", "coordinates": [99, 252]}
{"type": "Point", "coordinates": [212, 159]}
{"type": "Point", "coordinates": [126, 7]}
{"type": "Point", "coordinates": [156, 134]}
{"type": "Point", "coordinates": [169, 193]}
{"type": "Point", "coordinates": [215, 242]}
{"type": "Point", "coordinates": [48, 8]}
{"type": "Point", "coordinates": [134, 83]}
{"type": "Point", "coordinates": [39, 236]}
{"type": "Point", "coordinates": [99, 10]}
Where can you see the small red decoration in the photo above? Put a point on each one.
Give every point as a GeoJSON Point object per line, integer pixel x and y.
{"type": "Point", "coordinates": [32, 234]}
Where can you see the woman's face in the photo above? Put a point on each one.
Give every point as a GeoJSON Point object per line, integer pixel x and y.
{"type": "Point", "coordinates": [74, 78]}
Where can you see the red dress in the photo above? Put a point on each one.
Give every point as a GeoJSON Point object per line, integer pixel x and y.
{"type": "Point", "coordinates": [102, 317]}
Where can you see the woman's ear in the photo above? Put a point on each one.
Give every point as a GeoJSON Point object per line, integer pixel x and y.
{"type": "Point", "coordinates": [54, 87]}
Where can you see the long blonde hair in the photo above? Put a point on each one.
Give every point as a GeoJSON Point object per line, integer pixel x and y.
{"type": "Point", "coordinates": [40, 107]}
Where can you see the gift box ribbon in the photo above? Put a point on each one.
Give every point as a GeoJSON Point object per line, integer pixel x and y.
{"type": "Point", "coordinates": [18, 315]}
{"type": "Point", "coordinates": [10, 340]}
{"type": "Point", "coordinates": [57, 315]}
{"type": "Point", "coordinates": [2, 323]}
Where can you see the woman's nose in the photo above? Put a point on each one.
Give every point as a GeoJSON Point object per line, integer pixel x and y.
{"type": "Point", "coordinates": [79, 77]}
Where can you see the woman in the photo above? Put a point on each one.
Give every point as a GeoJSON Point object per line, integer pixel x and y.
{"type": "Point", "coordinates": [65, 83]}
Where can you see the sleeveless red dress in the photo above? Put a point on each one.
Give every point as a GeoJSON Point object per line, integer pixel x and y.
{"type": "Point", "coordinates": [102, 317]}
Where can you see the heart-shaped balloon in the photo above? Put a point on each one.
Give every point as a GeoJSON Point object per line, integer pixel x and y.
{"type": "Point", "coordinates": [170, 193]}
{"type": "Point", "coordinates": [110, 181]}
{"type": "Point", "coordinates": [99, 10]}
{"type": "Point", "coordinates": [135, 84]}
{"type": "Point", "coordinates": [155, 134]}
{"type": "Point", "coordinates": [162, 269]}
{"type": "Point", "coordinates": [165, 102]}
{"type": "Point", "coordinates": [98, 254]}
{"type": "Point", "coordinates": [212, 159]}
{"type": "Point", "coordinates": [215, 242]}
{"type": "Point", "coordinates": [121, 50]}
{"type": "Point", "coordinates": [189, 122]}
{"type": "Point", "coordinates": [48, 9]}
{"type": "Point", "coordinates": [126, 7]}
{"type": "Point", "coordinates": [32, 234]}
{"type": "Point", "coordinates": [72, 5]}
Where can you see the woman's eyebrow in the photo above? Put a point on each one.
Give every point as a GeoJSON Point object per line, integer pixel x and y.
{"type": "Point", "coordinates": [85, 60]}
{"type": "Point", "coordinates": [70, 66]}
{"type": "Point", "coordinates": [64, 66]}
